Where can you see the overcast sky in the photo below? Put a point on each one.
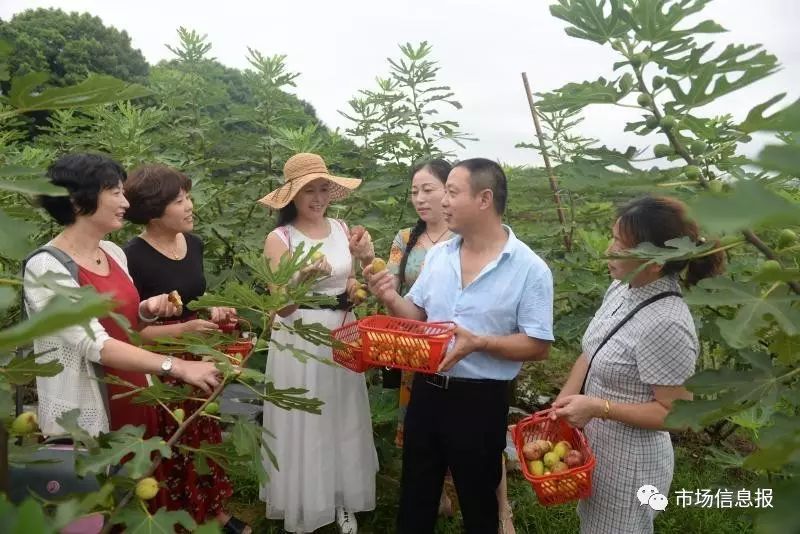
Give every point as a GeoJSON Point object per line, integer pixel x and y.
{"type": "Point", "coordinates": [482, 46]}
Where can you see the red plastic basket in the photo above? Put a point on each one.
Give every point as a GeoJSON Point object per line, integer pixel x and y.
{"type": "Point", "coordinates": [241, 348]}
{"type": "Point", "coordinates": [238, 350]}
{"type": "Point", "coordinates": [555, 488]}
{"type": "Point", "coordinates": [403, 343]}
{"type": "Point", "coordinates": [350, 354]}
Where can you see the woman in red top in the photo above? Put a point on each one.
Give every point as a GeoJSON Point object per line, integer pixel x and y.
{"type": "Point", "coordinates": [94, 207]}
{"type": "Point", "coordinates": [118, 283]}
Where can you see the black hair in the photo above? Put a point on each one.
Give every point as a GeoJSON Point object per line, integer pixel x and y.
{"type": "Point", "coordinates": [440, 169]}
{"type": "Point", "coordinates": [656, 220]}
{"type": "Point", "coordinates": [487, 174]}
{"type": "Point", "coordinates": [287, 214]}
{"type": "Point", "coordinates": [84, 176]}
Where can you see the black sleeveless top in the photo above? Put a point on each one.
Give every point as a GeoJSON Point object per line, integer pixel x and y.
{"type": "Point", "coordinates": [154, 274]}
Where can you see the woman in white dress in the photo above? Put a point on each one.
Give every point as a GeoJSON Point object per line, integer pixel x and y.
{"type": "Point", "coordinates": [326, 463]}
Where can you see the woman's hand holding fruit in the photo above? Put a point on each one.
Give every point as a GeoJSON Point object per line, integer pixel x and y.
{"type": "Point", "coordinates": [319, 267]}
{"type": "Point", "coordinates": [361, 245]}
{"type": "Point", "coordinates": [159, 306]}
{"type": "Point", "coordinates": [223, 315]}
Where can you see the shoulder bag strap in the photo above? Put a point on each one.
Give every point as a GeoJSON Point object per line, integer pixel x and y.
{"type": "Point", "coordinates": [71, 267]}
{"type": "Point", "coordinates": [619, 325]}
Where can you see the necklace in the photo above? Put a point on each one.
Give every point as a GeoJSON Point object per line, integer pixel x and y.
{"type": "Point", "coordinates": [446, 230]}
{"type": "Point", "coordinates": [72, 250]}
{"type": "Point", "coordinates": [164, 250]}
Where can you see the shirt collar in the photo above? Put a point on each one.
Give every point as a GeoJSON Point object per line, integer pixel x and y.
{"type": "Point", "coordinates": [511, 243]}
{"type": "Point", "coordinates": [665, 283]}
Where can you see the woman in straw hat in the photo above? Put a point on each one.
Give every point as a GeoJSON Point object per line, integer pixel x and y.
{"type": "Point", "coordinates": [327, 462]}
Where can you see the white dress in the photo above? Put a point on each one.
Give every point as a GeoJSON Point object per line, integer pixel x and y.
{"type": "Point", "coordinates": [329, 460]}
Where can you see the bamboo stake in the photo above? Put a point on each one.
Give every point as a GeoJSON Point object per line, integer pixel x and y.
{"type": "Point", "coordinates": [550, 174]}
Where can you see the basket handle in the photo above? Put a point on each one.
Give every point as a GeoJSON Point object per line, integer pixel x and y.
{"type": "Point", "coordinates": [239, 320]}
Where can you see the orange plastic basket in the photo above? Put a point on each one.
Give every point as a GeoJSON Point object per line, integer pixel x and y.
{"type": "Point", "coordinates": [404, 343]}
{"type": "Point", "coordinates": [350, 354]}
{"type": "Point", "coordinates": [555, 488]}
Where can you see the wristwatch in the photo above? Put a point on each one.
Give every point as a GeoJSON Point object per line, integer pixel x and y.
{"type": "Point", "coordinates": [166, 366]}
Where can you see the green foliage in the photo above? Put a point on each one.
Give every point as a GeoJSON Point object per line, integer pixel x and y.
{"type": "Point", "coordinates": [71, 46]}
{"type": "Point", "coordinates": [751, 316]}
{"type": "Point", "coordinates": [397, 122]}
{"type": "Point", "coordinates": [230, 131]}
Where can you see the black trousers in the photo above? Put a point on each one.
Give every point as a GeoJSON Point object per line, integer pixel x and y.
{"type": "Point", "coordinates": [462, 427]}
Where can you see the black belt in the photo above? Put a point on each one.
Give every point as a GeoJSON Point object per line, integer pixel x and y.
{"type": "Point", "coordinates": [446, 381]}
{"type": "Point", "coordinates": [342, 303]}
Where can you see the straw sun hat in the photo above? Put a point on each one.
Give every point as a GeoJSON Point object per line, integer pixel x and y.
{"type": "Point", "coordinates": [301, 169]}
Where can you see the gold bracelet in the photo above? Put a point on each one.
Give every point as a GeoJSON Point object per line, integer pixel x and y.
{"type": "Point", "coordinates": [607, 409]}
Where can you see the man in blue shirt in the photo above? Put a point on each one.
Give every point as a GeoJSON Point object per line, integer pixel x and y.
{"type": "Point", "coordinates": [500, 294]}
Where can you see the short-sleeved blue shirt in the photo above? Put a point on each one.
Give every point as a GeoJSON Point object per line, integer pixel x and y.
{"type": "Point", "coordinates": [512, 294]}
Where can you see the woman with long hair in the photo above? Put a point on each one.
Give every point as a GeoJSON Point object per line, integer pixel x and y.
{"type": "Point", "coordinates": [327, 462]}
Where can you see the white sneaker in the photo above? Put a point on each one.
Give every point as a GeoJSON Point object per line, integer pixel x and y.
{"type": "Point", "coordinates": [346, 521]}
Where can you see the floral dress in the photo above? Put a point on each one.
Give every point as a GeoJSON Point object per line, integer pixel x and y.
{"type": "Point", "coordinates": [416, 258]}
{"type": "Point", "coordinates": [201, 492]}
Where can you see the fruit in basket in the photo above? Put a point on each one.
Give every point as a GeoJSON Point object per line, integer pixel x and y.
{"type": "Point", "coordinates": [546, 472]}
{"type": "Point", "coordinates": [573, 458]}
{"type": "Point", "coordinates": [533, 451]}
{"type": "Point", "coordinates": [545, 445]}
{"type": "Point", "coordinates": [559, 467]}
{"type": "Point", "coordinates": [550, 459]}
{"type": "Point", "coordinates": [562, 448]}
{"type": "Point", "coordinates": [536, 467]}
{"type": "Point", "coordinates": [378, 265]}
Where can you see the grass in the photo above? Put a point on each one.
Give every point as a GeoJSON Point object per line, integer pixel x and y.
{"type": "Point", "coordinates": [692, 471]}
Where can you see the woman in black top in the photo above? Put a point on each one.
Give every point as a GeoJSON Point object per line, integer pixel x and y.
{"type": "Point", "coordinates": [163, 259]}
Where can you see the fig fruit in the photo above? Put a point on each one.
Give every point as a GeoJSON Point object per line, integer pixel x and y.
{"type": "Point", "coordinates": [536, 467]}
{"type": "Point", "coordinates": [378, 265]}
{"type": "Point", "coordinates": [179, 415]}
{"type": "Point", "coordinates": [787, 238]}
{"type": "Point", "coordinates": [25, 423]}
{"type": "Point", "coordinates": [146, 488]}
{"type": "Point", "coordinates": [573, 459]}
{"type": "Point", "coordinates": [550, 459]}
{"type": "Point", "coordinates": [532, 451]}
